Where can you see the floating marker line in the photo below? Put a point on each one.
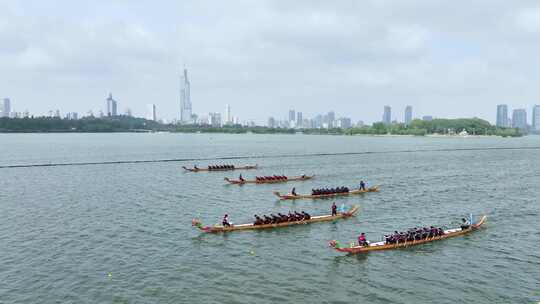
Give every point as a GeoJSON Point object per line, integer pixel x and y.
{"type": "Point", "coordinates": [260, 157]}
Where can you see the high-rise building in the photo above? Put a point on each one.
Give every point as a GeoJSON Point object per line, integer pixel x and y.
{"type": "Point", "coordinates": [318, 121]}
{"type": "Point", "coordinates": [408, 115]}
{"type": "Point", "coordinates": [519, 119]}
{"type": "Point", "coordinates": [427, 118]}
{"type": "Point", "coordinates": [271, 122]}
{"type": "Point", "coordinates": [331, 117]}
{"type": "Point", "coordinates": [214, 119]}
{"type": "Point", "coordinates": [344, 123]}
{"type": "Point", "coordinates": [299, 120]}
{"type": "Point", "coordinates": [228, 117]}
{"type": "Point", "coordinates": [502, 116]}
{"type": "Point", "coordinates": [72, 115]}
{"type": "Point", "coordinates": [6, 107]}
{"type": "Point", "coordinates": [152, 112]}
{"type": "Point", "coordinates": [387, 115]}
{"type": "Point", "coordinates": [112, 106]}
{"type": "Point", "coordinates": [536, 118]}
{"type": "Point", "coordinates": [185, 98]}
{"type": "Point", "coordinates": [292, 116]}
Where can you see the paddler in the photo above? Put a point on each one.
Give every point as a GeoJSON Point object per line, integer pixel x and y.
{"type": "Point", "coordinates": [241, 178]}
{"type": "Point", "coordinates": [195, 167]}
{"type": "Point", "coordinates": [258, 220]}
{"type": "Point", "coordinates": [362, 185]}
{"type": "Point", "coordinates": [334, 209]}
{"type": "Point", "coordinates": [465, 224]}
{"type": "Point", "coordinates": [362, 240]}
{"type": "Point", "coordinates": [293, 191]}
{"type": "Point", "coordinates": [225, 221]}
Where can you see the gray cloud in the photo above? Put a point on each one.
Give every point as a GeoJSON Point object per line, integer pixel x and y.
{"type": "Point", "coordinates": [264, 57]}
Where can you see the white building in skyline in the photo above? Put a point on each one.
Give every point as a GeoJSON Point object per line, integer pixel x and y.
{"type": "Point", "coordinates": [6, 107]}
{"type": "Point", "coordinates": [185, 99]}
{"type": "Point", "coordinates": [228, 117]}
{"type": "Point", "coordinates": [152, 112]}
{"type": "Point", "coordinates": [214, 119]}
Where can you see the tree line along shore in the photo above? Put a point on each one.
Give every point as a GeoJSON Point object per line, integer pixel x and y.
{"type": "Point", "coordinates": [472, 126]}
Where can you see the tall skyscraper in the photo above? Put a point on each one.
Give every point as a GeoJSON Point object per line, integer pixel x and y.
{"type": "Point", "coordinates": [112, 106]}
{"type": "Point", "coordinates": [185, 98]}
{"type": "Point", "coordinates": [299, 119]}
{"type": "Point", "coordinates": [536, 118]}
{"type": "Point", "coordinates": [6, 107]}
{"type": "Point", "coordinates": [331, 117]}
{"type": "Point", "coordinates": [292, 116]}
{"type": "Point", "coordinates": [502, 116]}
{"type": "Point", "coordinates": [387, 115]}
{"type": "Point", "coordinates": [228, 117]}
{"type": "Point", "coordinates": [152, 112]}
{"type": "Point", "coordinates": [408, 115]}
{"type": "Point", "coordinates": [519, 119]}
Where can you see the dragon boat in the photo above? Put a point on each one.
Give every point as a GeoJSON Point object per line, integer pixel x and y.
{"type": "Point", "coordinates": [303, 196]}
{"type": "Point", "coordinates": [251, 226]}
{"type": "Point", "coordinates": [384, 246]}
{"type": "Point", "coordinates": [268, 181]}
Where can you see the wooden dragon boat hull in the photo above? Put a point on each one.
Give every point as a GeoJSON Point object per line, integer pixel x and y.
{"type": "Point", "coordinates": [353, 192]}
{"type": "Point", "coordinates": [215, 170]}
{"type": "Point", "coordinates": [290, 179]}
{"type": "Point", "coordinates": [382, 246]}
{"type": "Point", "coordinates": [251, 226]}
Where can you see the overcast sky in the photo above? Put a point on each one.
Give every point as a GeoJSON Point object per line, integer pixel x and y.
{"type": "Point", "coordinates": [445, 58]}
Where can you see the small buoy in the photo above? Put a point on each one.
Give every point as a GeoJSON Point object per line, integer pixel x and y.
{"type": "Point", "coordinates": [109, 275]}
{"type": "Point", "coordinates": [252, 252]}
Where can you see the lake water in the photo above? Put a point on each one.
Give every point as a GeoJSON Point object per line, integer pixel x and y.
{"type": "Point", "coordinates": [121, 233]}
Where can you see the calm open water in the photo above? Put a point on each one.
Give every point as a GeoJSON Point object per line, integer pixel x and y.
{"type": "Point", "coordinates": [121, 233]}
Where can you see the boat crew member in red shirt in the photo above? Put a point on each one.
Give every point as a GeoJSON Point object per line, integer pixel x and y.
{"type": "Point", "coordinates": [362, 240]}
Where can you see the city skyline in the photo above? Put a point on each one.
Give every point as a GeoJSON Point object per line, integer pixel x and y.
{"type": "Point", "coordinates": [268, 67]}
{"type": "Point", "coordinates": [295, 118]}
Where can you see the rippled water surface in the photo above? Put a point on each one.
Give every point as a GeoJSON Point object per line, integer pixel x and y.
{"type": "Point", "coordinates": [121, 233]}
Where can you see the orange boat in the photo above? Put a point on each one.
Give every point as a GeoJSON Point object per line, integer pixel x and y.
{"type": "Point", "coordinates": [268, 181]}
{"type": "Point", "coordinates": [251, 226]}
{"type": "Point", "coordinates": [301, 196]}
{"type": "Point", "coordinates": [228, 168]}
{"type": "Point", "coordinates": [384, 246]}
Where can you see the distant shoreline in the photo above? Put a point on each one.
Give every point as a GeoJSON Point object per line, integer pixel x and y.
{"type": "Point", "coordinates": [126, 124]}
{"type": "Point", "coordinates": [434, 135]}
